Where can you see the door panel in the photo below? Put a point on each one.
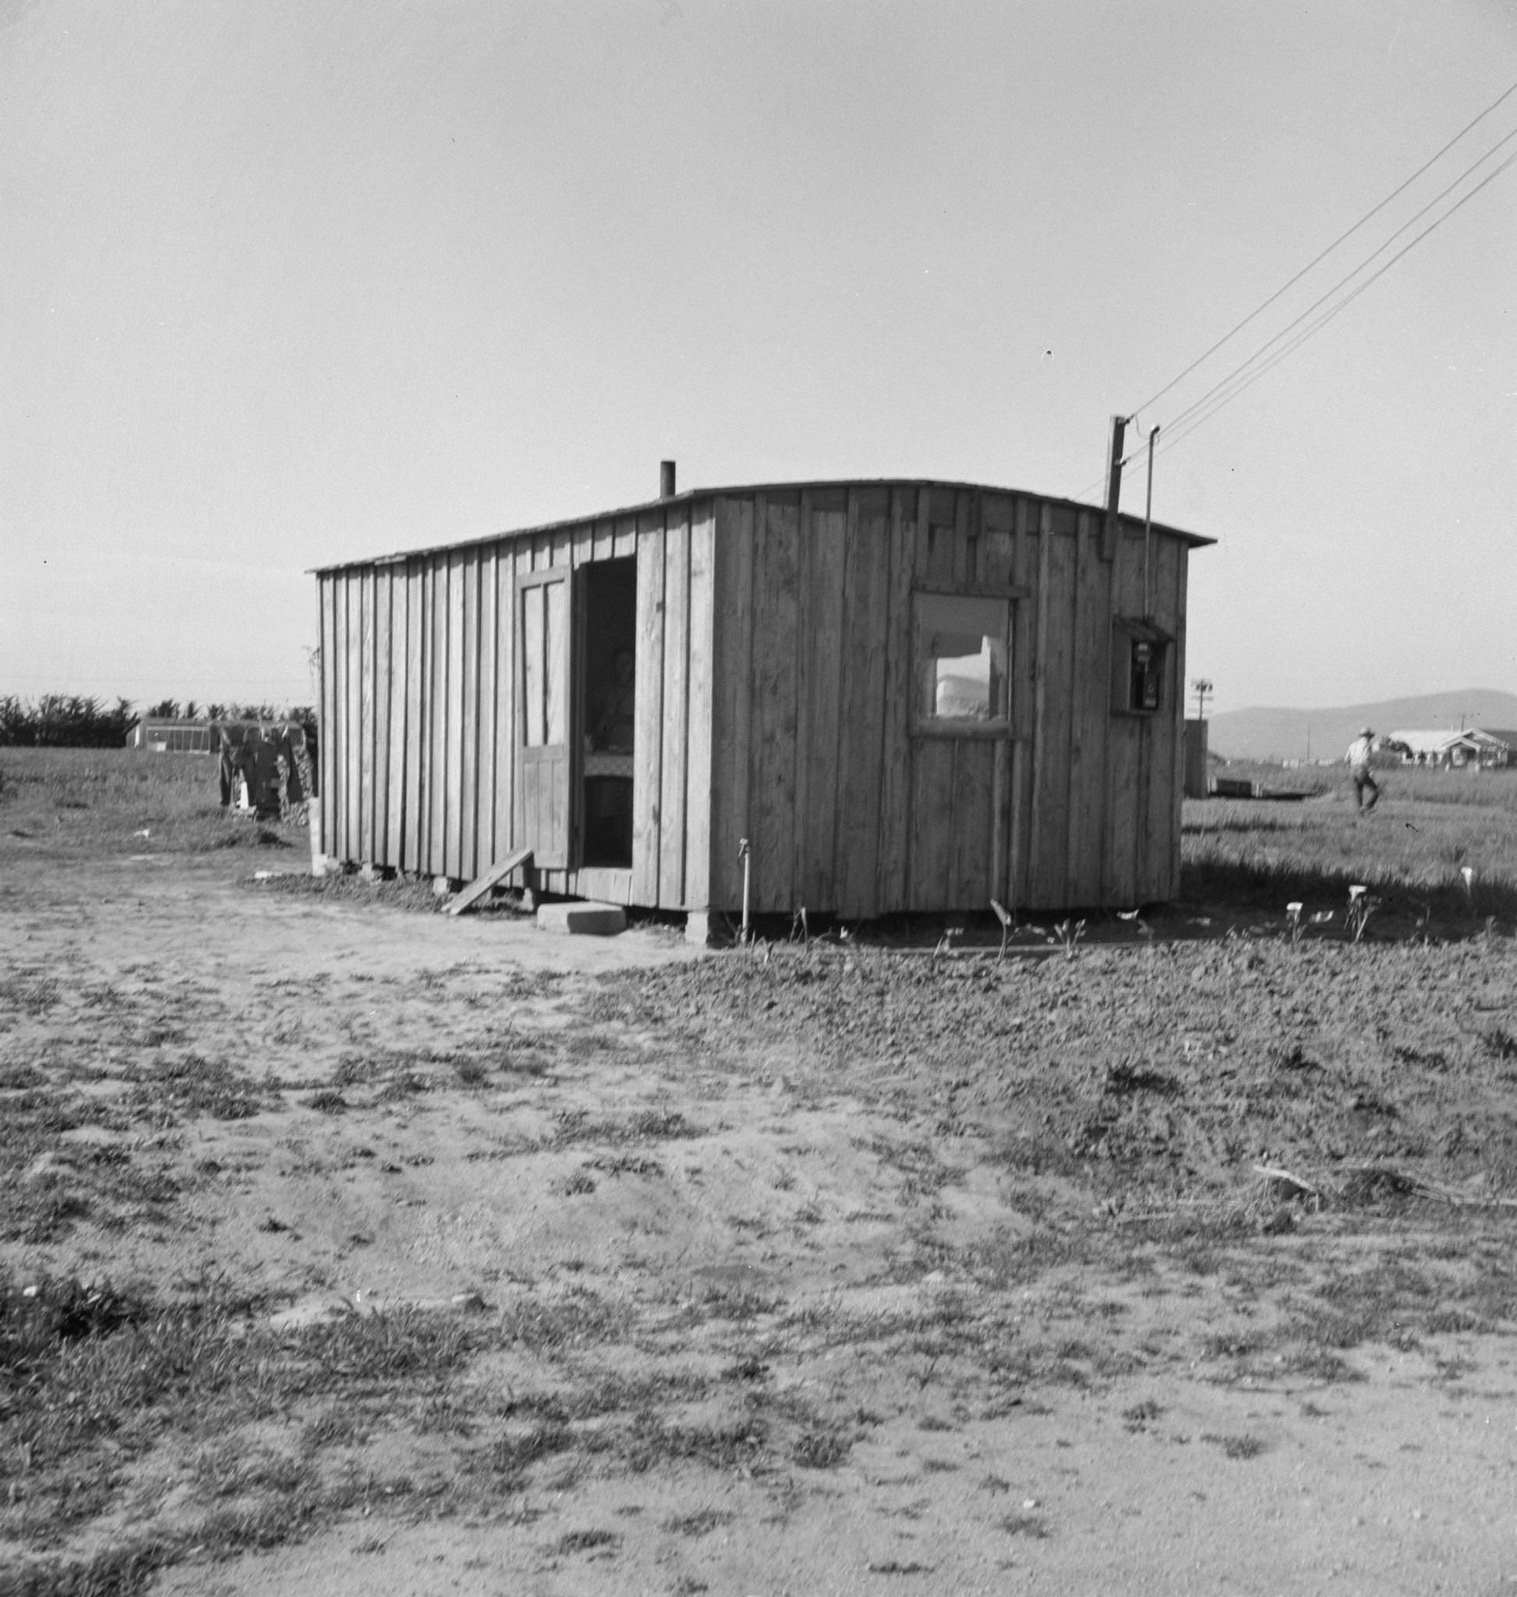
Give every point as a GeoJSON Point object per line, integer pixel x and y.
{"type": "Point", "coordinates": [545, 734]}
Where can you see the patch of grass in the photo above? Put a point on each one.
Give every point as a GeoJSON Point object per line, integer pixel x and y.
{"type": "Point", "coordinates": [585, 1541]}
{"type": "Point", "coordinates": [1025, 1524]}
{"type": "Point", "coordinates": [1235, 1446]}
{"type": "Point", "coordinates": [700, 1523]}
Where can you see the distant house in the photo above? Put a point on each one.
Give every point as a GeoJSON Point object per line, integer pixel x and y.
{"type": "Point", "coordinates": [1450, 750]}
{"type": "Point", "coordinates": [163, 735]}
{"type": "Point", "coordinates": [1498, 746]}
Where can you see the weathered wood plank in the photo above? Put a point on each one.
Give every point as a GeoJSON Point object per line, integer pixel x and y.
{"type": "Point", "coordinates": [327, 733]}
{"type": "Point", "coordinates": [675, 725]}
{"type": "Point", "coordinates": [1000, 821]}
{"type": "Point", "coordinates": [398, 668]}
{"type": "Point", "coordinates": [966, 548]}
{"type": "Point", "coordinates": [415, 742]}
{"type": "Point", "coordinates": [365, 722]}
{"type": "Point", "coordinates": [437, 752]}
{"type": "Point", "coordinates": [1051, 733]}
{"type": "Point", "coordinates": [700, 697]}
{"type": "Point", "coordinates": [772, 767]}
{"type": "Point", "coordinates": [453, 801]}
{"type": "Point", "coordinates": [1088, 710]}
{"type": "Point", "coordinates": [470, 860]}
{"type": "Point", "coordinates": [1124, 745]}
{"type": "Point", "coordinates": [648, 710]}
{"type": "Point", "coordinates": [732, 696]}
{"type": "Point", "coordinates": [936, 536]}
{"type": "Point", "coordinates": [861, 741]}
{"type": "Point", "coordinates": [972, 808]}
{"type": "Point", "coordinates": [383, 693]}
{"type": "Point", "coordinates": [933, 822]}
{"type": "Point", "coordinates": [484, 781]}
{"type": "Point", "coordinates": [1024, 643]}
{"type": "Point", "coordinates": [534, 609]}
{"type": "Point", "coordinates": [998, 541]}
{"type": "Point", "coordinates": [507, 707]}
{"type": "Point", "coordinates": [896, 751]}
{"type": "Point", "coordinates": [517, 860]}
{"type": "Point", "coordinates": [819, 689]}
{"type": "Point", "coordinates": [352, 839]}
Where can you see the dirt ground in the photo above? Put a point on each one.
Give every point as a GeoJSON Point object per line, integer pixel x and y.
{"type": "Point", "coordinates": [751, 1309]}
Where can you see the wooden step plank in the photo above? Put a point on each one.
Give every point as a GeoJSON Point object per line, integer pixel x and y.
{"type": "Point", "coordinates": [516, 860]}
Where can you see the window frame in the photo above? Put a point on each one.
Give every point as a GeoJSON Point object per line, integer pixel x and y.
{"type": "Point", "coordinates": [924, 724]}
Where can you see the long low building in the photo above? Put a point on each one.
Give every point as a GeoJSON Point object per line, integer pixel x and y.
{"type": "Point", "coordinates": [855, 697]}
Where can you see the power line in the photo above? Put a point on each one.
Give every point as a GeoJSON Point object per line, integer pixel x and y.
{"type": "Point", "coordinates": [1369, 215]}
{"type": "Point", "coordinates": [1195, 415]}
{"type": "Point", "coordinates": [1202, 409]}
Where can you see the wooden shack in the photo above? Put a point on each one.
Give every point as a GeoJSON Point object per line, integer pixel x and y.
{"type": "Point", "coordinates": [898, 695]}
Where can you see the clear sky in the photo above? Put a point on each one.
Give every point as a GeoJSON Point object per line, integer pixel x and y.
{"type": "Point", "coordinates": [286, 282]}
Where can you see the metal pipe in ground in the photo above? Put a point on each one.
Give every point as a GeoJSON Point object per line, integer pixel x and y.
{"type": "Point", "coordinates": [745, 854]}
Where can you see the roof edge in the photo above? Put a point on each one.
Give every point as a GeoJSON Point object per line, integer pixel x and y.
{"type": "Point", "coordinates": [738, 490]}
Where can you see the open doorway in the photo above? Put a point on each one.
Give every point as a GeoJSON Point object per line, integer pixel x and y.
{"type": "Point", "coordinates": [610, 672]}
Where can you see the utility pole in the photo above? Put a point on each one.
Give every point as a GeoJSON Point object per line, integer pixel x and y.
{"type": "Point", "coordinates": [1113, 488]}
{"type": "Point", "coordinates": [1202, 687]}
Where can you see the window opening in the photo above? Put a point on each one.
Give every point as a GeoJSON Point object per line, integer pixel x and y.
{"type": "Point", "coordinates": [962, 646]}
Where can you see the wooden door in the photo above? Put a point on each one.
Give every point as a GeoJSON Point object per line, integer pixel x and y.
{"type": "Point", "coordinates": [545, 732]}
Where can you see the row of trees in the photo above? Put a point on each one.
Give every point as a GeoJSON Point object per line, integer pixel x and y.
{"type": "Point", "coordinates": [72, 720]}
{"type": "Point", "coordinates": [192, 710]}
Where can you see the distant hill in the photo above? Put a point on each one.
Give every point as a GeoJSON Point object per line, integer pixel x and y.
{"type": "Point", "coordinates": [1324, 734]}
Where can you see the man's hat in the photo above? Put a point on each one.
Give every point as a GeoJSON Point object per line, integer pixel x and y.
{"type": "Point", "coordinates": [1366, 731]}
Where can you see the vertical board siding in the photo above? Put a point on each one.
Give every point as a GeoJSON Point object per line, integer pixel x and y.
{"type": "Point", "coordinates": [971, 849]}
{"type": "Point", "coordinates": [488, 690]}
{"type": "Point", "coordinates": [468, 757]}
{"type": "Point", "coordinates": [410, 857]}
{"type": "Point", "coordinates": [1125, 744]}
{"type": "Point", "coordinates": [773, 702]}
{"type": "Point", "coordinates": [395, 748]}
{"type": "Point", "coordinates": [1089, 712]}
{"type": "Point", "coordinates": [861, 731]}
{"type": "Point", "coordinates": [772, 743]}
{"type": "Point", "coordinates": [506, 732]}
{"type": "Point", "coordinates": [895, 783]}
{"type": "Point", "coordinates": [699, 773]}
{"type": "Point", "coordinates": [452, 783]}
{"type": "Point", "coordinates": [824, 534]}
{"type": "Point", "coordinates": [331, 788]}
{"type": "Point", "coordinates": [732, 696]}
{"type": "Point", "coordinates": [365, 719]}
{"type": "Point", "coordinates": [675, 729]}
{"type": "Point", "coordinates": [1055, 665]}
{"type": "Point", "coordinates": [932, 823]}
{"type": "Point", "coordinates": [437, 713]}
{"type": "Point", "coordinates": [352, 841]}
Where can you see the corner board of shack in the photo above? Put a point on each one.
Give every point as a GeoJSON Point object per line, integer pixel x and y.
{"type": "Point", "coordinates": [865, 698]}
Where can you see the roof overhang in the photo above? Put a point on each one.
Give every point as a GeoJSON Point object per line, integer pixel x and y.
{"type": "Point", "coordinates": [742, 491]}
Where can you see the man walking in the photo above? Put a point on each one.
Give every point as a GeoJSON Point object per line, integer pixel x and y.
{"type": "Point", "coordinates": [1359, 768]}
